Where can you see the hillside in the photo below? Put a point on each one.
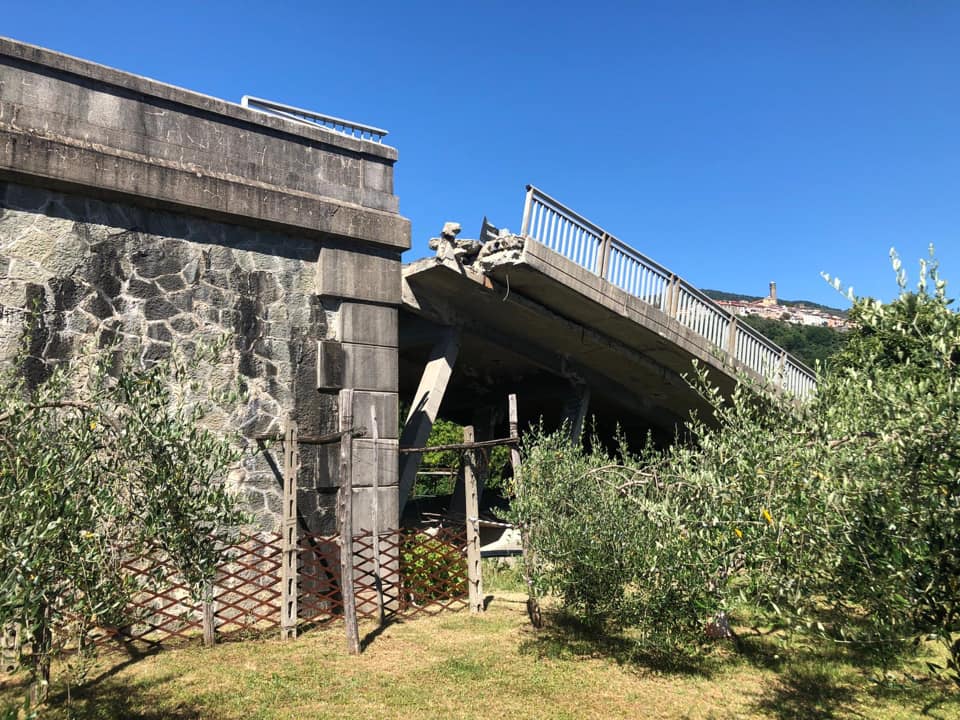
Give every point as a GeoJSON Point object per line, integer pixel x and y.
{"type": "Point", "coordinates": [808, 343]}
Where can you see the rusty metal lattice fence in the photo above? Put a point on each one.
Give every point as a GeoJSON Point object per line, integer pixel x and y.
{"type": "Point", "coordinates": [422, 572]}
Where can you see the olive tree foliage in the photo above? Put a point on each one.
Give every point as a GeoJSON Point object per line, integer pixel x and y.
{"type": "Point", "coordinates": [840, 513]}
{"type": "Point", "coordinates": [105, 460]}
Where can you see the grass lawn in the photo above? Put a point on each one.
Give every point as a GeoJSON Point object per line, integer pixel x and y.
{"type": "Point", "coordinates": [494, 666]}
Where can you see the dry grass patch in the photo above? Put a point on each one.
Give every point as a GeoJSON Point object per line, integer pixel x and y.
{"type": "Point", "coordinates": [459, 666]}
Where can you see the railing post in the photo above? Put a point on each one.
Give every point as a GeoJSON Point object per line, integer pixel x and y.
{"type": "Point", "coordinates": [603, 258]}
{"type": "Point", "coordinates": [732, 337]}
{"type": "Point", "coordinates": [527, 208]}
{"type": "Point", "coordinates": [673, 296]}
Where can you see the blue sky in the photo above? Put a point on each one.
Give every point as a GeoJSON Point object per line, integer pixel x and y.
{"type": "Point", "coordinates": [734, 142]}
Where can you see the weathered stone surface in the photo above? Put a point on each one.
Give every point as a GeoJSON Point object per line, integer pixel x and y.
{"type": "Point", "coordinates": [386, 407]}
{"type": "Point", "coordinates": [107, 299]}
{"type": "Point", "coordinates": [98, 128]}
{"type": "Point", "coordinates": [368, 324]}
{"type": "Point", "coordinates": [363, 509]}
{"type": "Point", "coordinates": [369, 457]}
{"type": "Point", "coordinates": [369, 367]}
{"type": "Point", "coordinates": [375, 458]}
{"type": "Point", "coordinates": [331, 365]}
{"type": "Point", "coordinates": [374, 276]}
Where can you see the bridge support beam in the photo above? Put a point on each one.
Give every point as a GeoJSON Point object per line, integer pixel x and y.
{"type": "Point", "coordinates": [425, 406]}
{"type": "Point", "coordinates": [575, 410]}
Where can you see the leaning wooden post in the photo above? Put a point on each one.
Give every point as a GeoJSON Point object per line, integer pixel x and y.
{"type": "Point", "coordinates": [533, 604]}
{"type": "Point", "coordinates": [472, 511]}
{"type": "Point", "coordinates": [291, 461]}
{"type": "Point", "coordinates": [345, 522]}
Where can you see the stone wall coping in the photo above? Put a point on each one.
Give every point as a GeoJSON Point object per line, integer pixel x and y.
{"type": "Point", "coordinates": [197, 101]}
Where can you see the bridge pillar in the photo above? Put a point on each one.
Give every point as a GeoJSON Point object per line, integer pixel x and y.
{"type": "Point", "coordinates": [575, 409]}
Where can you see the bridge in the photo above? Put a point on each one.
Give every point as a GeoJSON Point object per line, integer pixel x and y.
{"type": "Point", "coordinates": [577, 323]}
{"type": "Point", "coordinates": [133, 210]}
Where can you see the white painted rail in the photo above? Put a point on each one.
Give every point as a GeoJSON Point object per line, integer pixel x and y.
{"type": "Point", "coordinates": [309, 117]}
{"type": "Point", "coordinates": [590, 246]}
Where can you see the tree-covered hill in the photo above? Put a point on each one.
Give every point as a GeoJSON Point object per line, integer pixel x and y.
{"type": "Point", "coordinates": [806, 342]}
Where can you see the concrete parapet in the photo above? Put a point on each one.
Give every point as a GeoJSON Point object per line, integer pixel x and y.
{"type": "Point", "coordinates": [81, 125]}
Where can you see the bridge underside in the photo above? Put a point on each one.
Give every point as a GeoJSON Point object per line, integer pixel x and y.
{"type": "Point", "coordinates": [532, 323]}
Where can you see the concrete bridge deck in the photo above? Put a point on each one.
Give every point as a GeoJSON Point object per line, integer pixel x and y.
{"type": "Point", "coordinates": [577, 324]}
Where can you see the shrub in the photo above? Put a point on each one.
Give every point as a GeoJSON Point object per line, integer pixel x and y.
{"type": "Point", "coordinates": [103, 460]}
{"type": "Point", "coordinates": [432, 568]}
{"type": "Point", "coordinates": [849, 501]}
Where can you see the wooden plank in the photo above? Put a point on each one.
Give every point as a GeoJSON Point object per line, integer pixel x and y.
{"type": "Point", "coordinates": [472, 513]}
{"type": "Point", "coordinates": [289, 527]}
{"type": "Point", "coordinates": [328, 439]}
{"type": "Point", "coordinates": [461, 446]}
{"type": "Point", "coordinates": [345, 523]}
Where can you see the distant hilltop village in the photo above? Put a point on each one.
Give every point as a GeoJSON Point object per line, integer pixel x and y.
{"type": "Point", "coordinates": [769, 308]}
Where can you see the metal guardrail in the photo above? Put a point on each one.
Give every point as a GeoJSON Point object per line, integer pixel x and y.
{"type": "Point", "coordinates": [589, 246]}
{"type": "Point", "coordinates": [308, 117]}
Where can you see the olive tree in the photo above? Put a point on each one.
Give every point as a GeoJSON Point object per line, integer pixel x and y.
{"type": "Point", "coordinates": [847, 502]}
{"type": "Point", "coordinates": [104, 460]}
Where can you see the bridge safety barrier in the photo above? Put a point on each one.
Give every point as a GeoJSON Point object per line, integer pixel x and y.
{"type": "Point", "coordinates": [591, 247]}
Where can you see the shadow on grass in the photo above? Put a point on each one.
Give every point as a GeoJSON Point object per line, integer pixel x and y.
{"type": "Point", "coordinates": [808, 692]}
{"type": "Point", "coordinates": [563, 636]}
{"type": "Point", "coordinates": [367, 640]}
{"type": "Point", "coordinates": [110, 700]}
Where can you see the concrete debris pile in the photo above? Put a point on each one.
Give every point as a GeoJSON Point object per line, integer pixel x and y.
{"type": "Point", "coordinates": [504, 247]}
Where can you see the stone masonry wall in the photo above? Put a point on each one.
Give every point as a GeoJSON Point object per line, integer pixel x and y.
{"type": "Point", "coordinates": [105, 270]}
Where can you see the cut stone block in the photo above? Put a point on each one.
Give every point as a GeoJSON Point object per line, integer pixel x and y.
{"type": "Point", "coordinates": [375, 456]}
{"type": "Point", "coordinates": [368, 324]}
{"type": "Point", "coordinates": [331, 365]}
{"type": "Point", "coordinates": [370, 367]}
{"type": "Point", "coordinates": [359, 273]}
{"type": "Point", "coordinates": [363, 509]}
{"type": "Point", "coordinates": [387, 412]}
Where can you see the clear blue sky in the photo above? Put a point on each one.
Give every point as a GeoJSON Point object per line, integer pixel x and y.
{"type": "Point", "coordinates": [734, 142]}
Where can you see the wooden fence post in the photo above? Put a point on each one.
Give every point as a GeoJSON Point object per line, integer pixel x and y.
{"type": "Point", "coordinates": [533, 604]}
{"type": "Point", "coordinates": [345, 522]}
{"type": "Point", "coordinates": [291, 461]}
{"type": "Point", "coordinates": [472, 511]}
{"type": "Point", "coordinates": [377, 574]}
{"type": "Point", "coordinates": [208, 620]}
{"type": "Point", "coordinates": [10, 648]}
